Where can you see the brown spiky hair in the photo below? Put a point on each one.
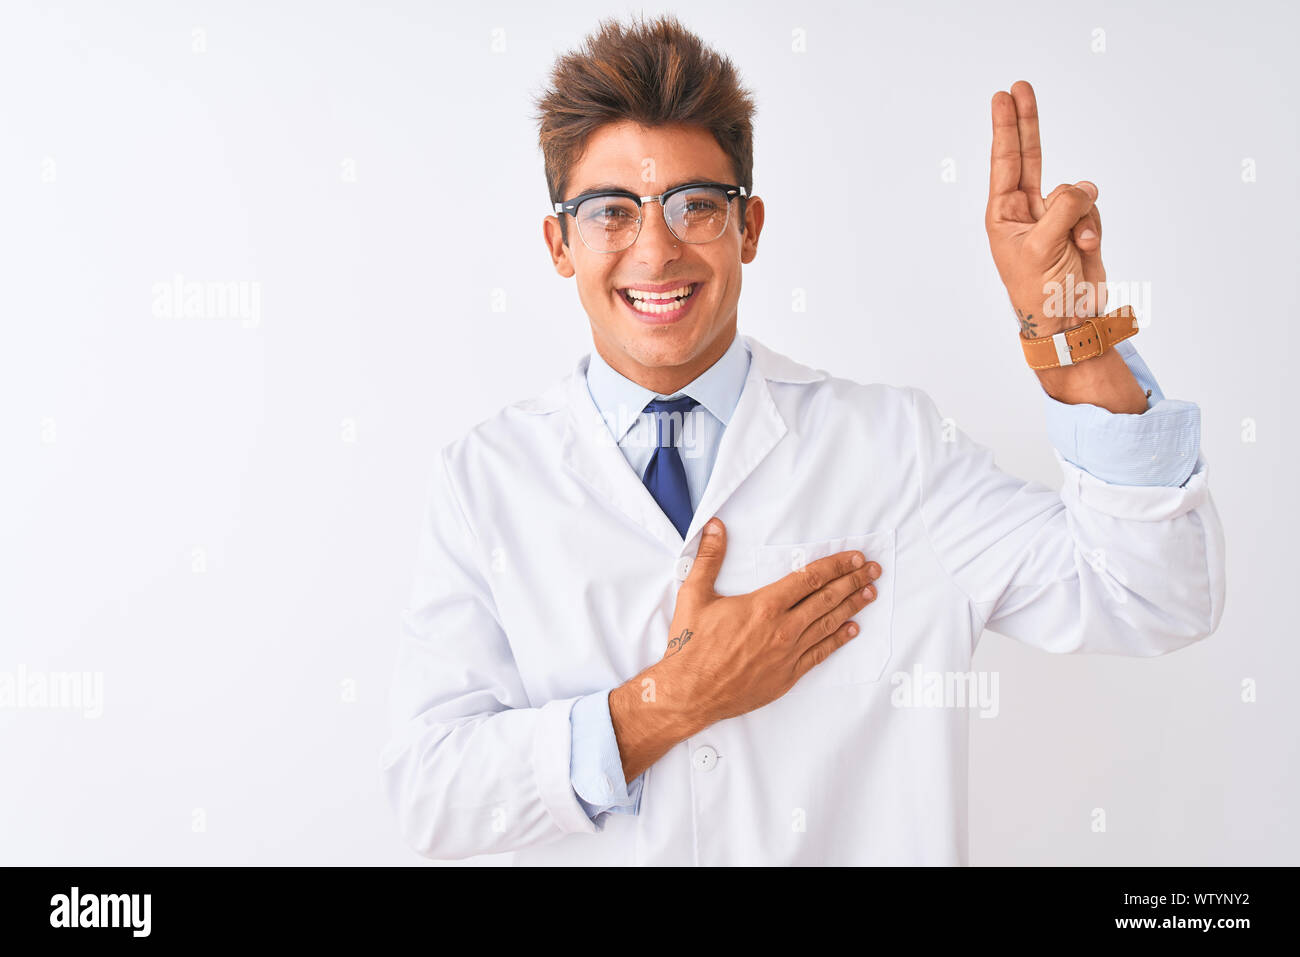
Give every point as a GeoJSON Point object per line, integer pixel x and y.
{"type": "Point", "coordinates": [653, 73]}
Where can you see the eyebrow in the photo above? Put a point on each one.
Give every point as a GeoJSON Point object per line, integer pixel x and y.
{"type": "Point", "coordinates": [599, 187]}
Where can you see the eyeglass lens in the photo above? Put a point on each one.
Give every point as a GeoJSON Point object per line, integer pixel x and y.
{"type": "Point", "coordinates": [610, 223]}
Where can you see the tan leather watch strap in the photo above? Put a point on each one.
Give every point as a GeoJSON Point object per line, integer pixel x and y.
{"type": "Point", "coordinates": [1087, 340]}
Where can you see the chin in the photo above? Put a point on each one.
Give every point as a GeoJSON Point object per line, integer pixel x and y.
{"type": "Point", "coordinates": [664, 345]}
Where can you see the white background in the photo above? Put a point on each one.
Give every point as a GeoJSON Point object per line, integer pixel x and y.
{"type": "Point", "coordinates": [182, 508]}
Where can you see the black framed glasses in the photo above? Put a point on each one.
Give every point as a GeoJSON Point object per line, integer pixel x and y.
{"type": "Point", "coordinates": [610, 220]}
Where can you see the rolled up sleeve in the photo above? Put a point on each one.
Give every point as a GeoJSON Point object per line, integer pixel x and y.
{"type": "Point", "coordinates": [596, 765]}
{"type": "Point", "coordinates": [1157, 447]}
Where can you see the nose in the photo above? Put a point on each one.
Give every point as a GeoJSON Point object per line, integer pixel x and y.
{"type": "Point", "coordinates": [655, 236]}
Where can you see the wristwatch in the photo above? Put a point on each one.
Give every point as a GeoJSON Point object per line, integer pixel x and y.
{"type": "Point", "coordinates": [1087, 340]}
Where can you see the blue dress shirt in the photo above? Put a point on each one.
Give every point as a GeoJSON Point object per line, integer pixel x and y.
{"type": "Point", "coordinates": [1156, 447]}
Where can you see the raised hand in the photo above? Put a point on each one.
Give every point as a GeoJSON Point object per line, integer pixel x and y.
{"type": "Point", "coordinates": [1047, 250]}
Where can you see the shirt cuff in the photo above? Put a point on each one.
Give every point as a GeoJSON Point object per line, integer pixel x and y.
{"type": "Point", "coordinates": [595, 765]}
{"type": "Point", "coordinates": [1157, 447]}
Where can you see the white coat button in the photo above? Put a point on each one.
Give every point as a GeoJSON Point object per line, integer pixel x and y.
{"type": "Point", "coordinates": [704, 758]}
{"type": "Point", "coordinates": [683, 568]}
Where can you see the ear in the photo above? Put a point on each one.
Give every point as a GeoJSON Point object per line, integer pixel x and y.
{"type": "Point", "coordinates": [555, 245]}
{"type": "Point", "coordinates": [753, 226]}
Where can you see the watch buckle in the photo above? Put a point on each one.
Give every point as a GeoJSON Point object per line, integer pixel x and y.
{"type": "Point", "coordinates": [1063, 357]}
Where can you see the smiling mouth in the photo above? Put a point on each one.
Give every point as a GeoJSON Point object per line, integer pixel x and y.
{"type": "Point", "coordinates": [659, 303]}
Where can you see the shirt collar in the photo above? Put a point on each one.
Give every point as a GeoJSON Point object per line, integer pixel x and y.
{"type": "Point", "coordinates": [620, 400]}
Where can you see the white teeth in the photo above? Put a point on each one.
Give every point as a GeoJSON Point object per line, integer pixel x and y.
{"type": "Point", "coordinates": [671, 294]}
{"type": "Point", "coordinates": [656, 303]}
{"type": "Point", "coordinates": [654, 308]}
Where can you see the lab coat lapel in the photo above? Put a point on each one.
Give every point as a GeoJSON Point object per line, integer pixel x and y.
{"type": "Point", "coordinates": [755, 428]}
{"type": "Point", "coordinates": [588, 448]}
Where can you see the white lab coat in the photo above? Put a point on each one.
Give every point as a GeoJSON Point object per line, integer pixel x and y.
{"type": "Point", "coordinates": [547, 571]}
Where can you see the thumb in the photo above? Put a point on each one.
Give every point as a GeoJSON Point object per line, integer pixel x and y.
{"type": "Point", "coordinates": [708, 559]}
{"type": "Point", "coordinates": [1065, 206]}
{"type": "Point", "coordinates": [1087, 236]}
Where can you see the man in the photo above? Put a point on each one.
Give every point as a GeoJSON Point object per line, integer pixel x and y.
{"type": "Point", "coordinates": [657, 609]}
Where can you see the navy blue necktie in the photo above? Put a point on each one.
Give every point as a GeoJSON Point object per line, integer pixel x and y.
{"type": "Point", "coordinates": [665, 476]}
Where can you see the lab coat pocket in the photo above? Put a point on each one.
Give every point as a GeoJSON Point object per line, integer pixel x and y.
{"type": "Point", "coordinates": [865, 656]}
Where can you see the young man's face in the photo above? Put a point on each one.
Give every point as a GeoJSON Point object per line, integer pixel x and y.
{"type": "Point", "coordinates": [660, 352]}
